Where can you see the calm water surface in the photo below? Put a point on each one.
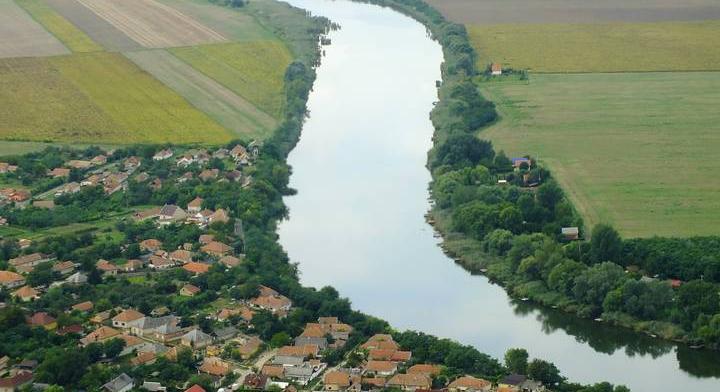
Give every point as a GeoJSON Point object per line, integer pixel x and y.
{"type": "Point", "coordinates": [357, 221]}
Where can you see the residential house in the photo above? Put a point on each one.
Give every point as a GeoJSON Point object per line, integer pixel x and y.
{"type": "Point", "coordinates": [229, 261]}
{"type": "Point", "coordinates": [379, 354]}
{"type": "Point", "coordinates": [28, 262]}
{"type": "Point", "coordinates": [148, 326]}
{"type": "Point", "coordinates": [239, 153]}
{"type": "Point", "coordinates": [171, 213]}
{"type": "Point", "coordinates": [570, 233]}
{"type": "Point", "coordinates": [518, 162]}
{"type": "Point", "coordinates": [381, 368]}
{"type": "Point", "coordinates": [185, 160]}
{"type": "Point", "coordinates": [143, 358]}
{"type": "Point", "coordinates": [215, 366]}
{"type": "Point", "coordinates": [163, 154]}
{"type": "Point", "coordinates": [221, 215]}
{"type": "Point", "coordinates": [196, 339]}
{"type": "Point", "coordinates": [495, 69]}
{"type": "Point", "coordinates": [26, 294]}
{"type": "Point", "coordinates": [150, 213]}
{"type": "Point", "coordinates": [243, 311]}
{"type": "Point", "coordinates": [153, 386]}
{"type": "Point", "coordinates": [131, 163]}
{"type": "Point", "coordinates": [99, 160]}
{"type": "Point", "coordinates": [11, 280]}
{"type": "Point", "coordinates": [64, 267]}
{"type": "Point", "coordinates": [127, 319]}
{"type": "Point", "coordinates": [189, 290]}
{"type": "Point", "coordinates": [234, 175]}
{"type": "Point", "coordinates": [336, 381]}
{"type": "Point", "coordinates": [15, 382]}
{"type": "Point", "coordinates": [209, 174]}
{"type": "Point", "coordinates": [83, 306]}
{"type": "Point", "coordinates": [42, 319]}
{"type": "Point", "coordinates": [107, 268]}
{"type": "Point", "coordinates": [121, 383]}
{"type": "Point", "coordinates": [77, 279]}
{"type": "Point", "coordinates": [160, 263]}
{"type": "Point", "coordinates": [255, 381]}
{"type": "Point", "coordinates": [133, 265]}
{"type": "Point", "coordinates": [101, 317]}
{"type": "Point", "coordinates": [59, 172]}
{"type": "Point", "coordinates": [223, 334]}
{"type": "Point", "coordinates": [7, 168]}
{"type": "Point", "coordinates": [426, 369]}
{"type": "Point", "coordinates": [410, 382]}
{"type": "Point", "coordinates": [249, 345]}
{"type": "Point", "coordinates": [75, 329]}
{"type": "Point", "coordinates": [221, 153]}
{"type": "Point", "coordinates": [470, 384]}
{"type": "Point", "coordinates": [275, 303]}
{"type": "Point", "coordinates": [195, 205]}
{"type": "Point", "coordinates": [195, 388]}
{"type": "Point", "coordinates": [181, 256]}
{"type": "Point", "coordinates": [381, 341]}
{"type": "Point", "coordinates": [196, 268]}
{"type": "Point", "coordinates": [101, 334]}
{"type": "Point", "coordinates": [273, 371]}
{"type": "Point", "coordinates": [216, 248]}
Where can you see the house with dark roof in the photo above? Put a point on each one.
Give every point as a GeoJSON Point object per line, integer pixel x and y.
{"type": "Point", "coordinates": [121, 383]}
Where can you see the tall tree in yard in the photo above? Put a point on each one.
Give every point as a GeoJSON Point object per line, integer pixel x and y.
{"type": "Point", "coordinates": [606, 244]}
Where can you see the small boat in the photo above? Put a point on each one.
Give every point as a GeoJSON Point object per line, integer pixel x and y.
{"type": "Point", "coordinates": [599, 320]}
{"type": "Point", "coordinates": [483, 270]}
{"type": "Point", "coordinates": [524, 299]}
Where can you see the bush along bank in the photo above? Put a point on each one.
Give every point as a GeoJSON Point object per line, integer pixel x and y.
{"type": "Point", "coordinates": [504, 218]}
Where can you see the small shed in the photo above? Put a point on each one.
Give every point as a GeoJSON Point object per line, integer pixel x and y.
{"type": "Point", "coordinates": [570, 233]}
{"type": "Point", "coordinates": [495, 69]}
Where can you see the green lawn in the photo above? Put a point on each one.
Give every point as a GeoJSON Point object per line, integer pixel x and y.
{"type": "Point", "coordinates": [636, 150]}
{"type": "Point", "coordinates": [600, 47]}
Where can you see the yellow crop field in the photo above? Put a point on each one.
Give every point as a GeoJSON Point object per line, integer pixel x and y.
{"type": "Point", "coordinates": [95, 97]}
{"type": "Point", "coordinates": [254, 70]}
{"type": "Point", "coordinates": [72, 37]}
{"type": "Point", "coordinates": [607, 47]}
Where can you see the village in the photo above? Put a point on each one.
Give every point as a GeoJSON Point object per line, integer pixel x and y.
{"type": "Point", "coordinates": [222, 343]}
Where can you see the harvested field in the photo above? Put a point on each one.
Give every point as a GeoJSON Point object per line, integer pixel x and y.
{"type": "Point", "coordinates": [94, 26]}
{"type": "Point", "coordinates": [573, 11]}
{"type": "Point", "coordinates": [224, 106]}
{"type": "Point", "coordinates": [74, 38]}
{"type": "Point", "coordinates": [21, 36]}
{"type": "Point", "coordinates": [233, 24]}
{"type": "Point", "coordinates": [638, 150]}
{"type": "Point", "coordinates": [611, 47]}
{"type": "Point", "coordinates": [95, 98]}
{"type": "Point", "coordinates": [254, 70]}
{"type": "Point", "coordinates": [152, 24]}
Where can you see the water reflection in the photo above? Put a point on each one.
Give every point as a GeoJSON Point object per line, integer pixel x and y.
{"type": "Point", "coordinates": [357, 220]}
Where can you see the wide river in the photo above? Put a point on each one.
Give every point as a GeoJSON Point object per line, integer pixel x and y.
{"type": "Point", "coordinates": [357, 221]}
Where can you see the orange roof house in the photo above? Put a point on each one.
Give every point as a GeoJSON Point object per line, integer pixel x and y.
{"type": "Point", "coordinates": [127, 318]}
{"type": "Point", "coordinates": [381, 341]}
{"type": "Point", "coordinates": [26, 294]}
{"type": "Point", "coordinates": [83, 306]}
{"type": "Point", "coordinates": [383, 368]}
{"type": "Point", "coordinates": [189, 290]}
{"type": "Point", "coordinates": [217, 248]}
{"type": "Point", "coordinates": [99, 335]}
{"type": "Point", "coordinates": [42, 319]}
{"type": "Point", "coordinates": [469, 383]}
{"type": "Point", "coordinates": [196, 268]}
{"type": "Point", "coordinates": [336, 380]}
{"type": "Point", "coordinates": [410, 381]}
{"type": "Point", "coordinates": [195, 388]}
{"type": "Point", "coordinates": [426, 369]}
{"type": "Point", "coordinates": [150, 245]}
{"type": "Point", "coordinates": [11, 279]}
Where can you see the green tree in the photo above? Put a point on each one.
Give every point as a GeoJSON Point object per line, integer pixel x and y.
{"type": "Point", "coordinates": [280, 339]}
{"type": "Point", "coordinates": [606, 244]}
{"type": "Point", "coordinates": [545, 372]}
{"type": "Point", "coordinates": [511, 219]}
{"type": "Point", "coordinates": [516, 360]}
{"type": "Point", "coordinates": [594, 283]}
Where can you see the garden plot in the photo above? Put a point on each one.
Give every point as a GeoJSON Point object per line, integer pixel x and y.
{"type": "Point", "coordinates": [21, 36]}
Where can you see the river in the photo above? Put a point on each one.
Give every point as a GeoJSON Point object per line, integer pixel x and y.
{"type": "Point", "coordinates": [357, 221]}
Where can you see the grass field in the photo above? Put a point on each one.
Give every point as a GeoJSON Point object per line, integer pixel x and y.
{"type": "Point", "coordinates": [95, 98]}
{"type": "Point", "coordinates": [613, 47]}
{"type": "Point", "coordinates": [254, 70]}
{"type": "Point", "coordinates": [636, 150]}
{"type": "Point", "coordinates": [224, 106]}
{"type": "Point", "coordinates": [574, 11]}
{"type": "Point", "coordinates": [73, 38]}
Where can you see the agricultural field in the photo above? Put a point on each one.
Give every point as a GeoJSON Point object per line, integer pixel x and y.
{"type": "Point", "coordinates": [99, 30]}
{"type": "Point", "coordinates": [637, 150]}
{"type": "Point", "coordinates": [21, 36]}
{"type": "Point", "coordinates": [572, 11]}
{"type": "Point", "coordinates": [152, 24]}
{"type": "Point", "coordinates": [607, 47]}
{"type": "Point", "coordinates": [224, 106]}
{"type": "Point", "coordinates": [95, 97]}
{"type": "Point", "coordinates": [73, 38]}
{"type": "Point", "coordinates": [254, 70]}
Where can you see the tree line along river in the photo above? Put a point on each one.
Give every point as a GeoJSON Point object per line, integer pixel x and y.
{"type": "Point", "coordinates": [357, 221]}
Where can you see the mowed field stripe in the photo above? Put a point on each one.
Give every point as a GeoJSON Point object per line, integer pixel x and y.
{"type": "Point", "coordinates": [21, 36]}
{"type": "Point", "coordinates": [153, 25]}
{"type": "Point", "coordinates": [224, 106]}
{"type": "Point", "coordinates": [74, 38]}
{"type": "Point", "coordinates": [102, 32]}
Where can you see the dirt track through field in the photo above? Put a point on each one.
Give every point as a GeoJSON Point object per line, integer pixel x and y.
{"type": "Point", "coordinates": [153, 25]}
{"type": "Point", "coordinates": [94, 26]}
{"type": "Point", "coordinates": [573, 11]}
{"type": "Point", "coordinates": [21, 36]}
{"type": "Point", "coordinates": [224, 106]}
